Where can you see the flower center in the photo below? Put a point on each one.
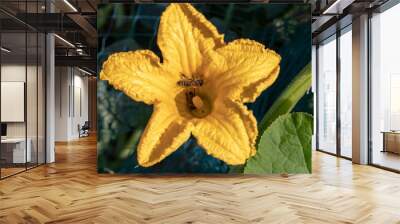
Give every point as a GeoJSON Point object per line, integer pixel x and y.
{"type": "Point", "coordinates": [197, 101]}
{"type": "Point", "coordinates": [198, 104]}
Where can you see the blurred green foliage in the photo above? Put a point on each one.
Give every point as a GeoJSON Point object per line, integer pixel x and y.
{"type": "Point", "coordinates": [281, 27]}
{"type": "Point", "coordinates": [288, 99]}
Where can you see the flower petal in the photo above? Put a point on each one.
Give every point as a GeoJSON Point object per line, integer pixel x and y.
{"type": "Point", "coordinates": [229, 133]}
{"type": "Point", "coordinates": [184, 35]}
{"type": "Point", "coordinates": [139, 75]}
{"type": "Point", "coordinates": [242, 69]}
{"type": "Point", "coordinates": [164, 133]}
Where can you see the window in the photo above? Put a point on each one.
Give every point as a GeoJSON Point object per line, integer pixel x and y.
{"type": "Point", "coordinates": [334, 106]}
{"type": "Point", "coordinates": [22, 101]}
{"type": "Point", "coordinates": [327, 96]}
{"type": "Point", "coordinates": [385, 89]}
{"type": "Point", "coordinates": [346, 92]}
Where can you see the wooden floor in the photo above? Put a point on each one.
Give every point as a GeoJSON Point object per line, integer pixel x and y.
{"type": "Point", "coordinates": [70, 191]}
{"type": "Point", "coordinates": [5, 172]}
{"type": "Point", "coordinates": [387, 159]}
{"type": "Point", "coordinates": [8, 171]}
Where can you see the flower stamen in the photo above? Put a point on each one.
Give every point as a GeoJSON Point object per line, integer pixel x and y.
{"type": "Point", "coordinates": [198, 105]}
{"type": "Point", "coordinates": [197, 102]}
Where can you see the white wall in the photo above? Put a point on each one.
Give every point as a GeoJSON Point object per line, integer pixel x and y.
{"type": "Point", "coordinates": [71, 102]}
{"type": "Point", "coordinates": [16, 73]}
{"type": "Point", "coordinates": [12, 73]}
{"type": "Point", "coordinates": [80, 109]}
{"type": "Point", "coordinates": [360, 89]}
{"type": "Point", "coordinates": [61, 103]}
{"type": "Point", "coordinates": [33, 127]}
{"type": "Point", "coordinates": [50, 93]}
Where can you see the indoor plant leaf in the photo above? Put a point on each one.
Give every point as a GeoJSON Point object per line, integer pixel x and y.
{"type": "Point", "coordinates": [288, 99]}
{"type": "Point", "coordinates": [285, 147]}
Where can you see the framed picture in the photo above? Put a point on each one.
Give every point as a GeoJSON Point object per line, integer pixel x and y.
{"type": "Point", "coordinates": [204, 88]}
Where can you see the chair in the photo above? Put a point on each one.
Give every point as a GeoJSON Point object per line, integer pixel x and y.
{"type": "Point", "coordinates": [84, 130]}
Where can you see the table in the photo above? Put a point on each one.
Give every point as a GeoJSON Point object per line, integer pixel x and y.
{"type": "Point", "coordinates": [391, 141]}
{"type": "Point", "coordinates": [15, 148]}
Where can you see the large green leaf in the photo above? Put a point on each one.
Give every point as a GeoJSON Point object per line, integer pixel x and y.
{"type": "Point", "coordinates": [285, 147]}
{"type": "Point", "coordinates": [288, 99]}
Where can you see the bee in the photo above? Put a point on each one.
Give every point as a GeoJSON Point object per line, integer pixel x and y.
{"type": "Point", "coordinates": [190, 85]}
{"type": "Point", "coordinates": [190, 82]}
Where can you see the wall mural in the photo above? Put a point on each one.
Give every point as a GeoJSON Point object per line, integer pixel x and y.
{"type": "Point", "coordinates": [204, 88]}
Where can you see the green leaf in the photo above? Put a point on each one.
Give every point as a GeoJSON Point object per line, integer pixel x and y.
{"type": "Point", "coordinates": [285, 147]}
{"type": "Point", "coordinates": [288, 99]}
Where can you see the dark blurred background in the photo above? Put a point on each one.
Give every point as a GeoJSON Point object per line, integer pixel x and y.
{"type": "Point", "coordinates": [285, 28]}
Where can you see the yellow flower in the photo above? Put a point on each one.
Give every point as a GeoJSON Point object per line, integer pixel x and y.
{"type": "Point", "coordinates": [199, 88]}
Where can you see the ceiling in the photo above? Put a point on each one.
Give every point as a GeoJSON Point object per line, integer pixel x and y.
{"type": "Point", "coordinates": [75, 22]}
